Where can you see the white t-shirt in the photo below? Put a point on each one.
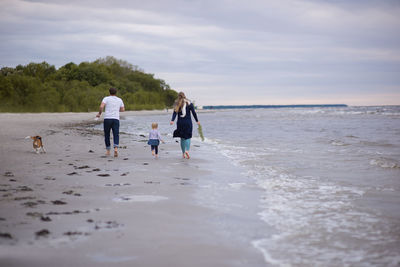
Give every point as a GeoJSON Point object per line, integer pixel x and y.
{"type": "Point", "coordinates": [113, 104]}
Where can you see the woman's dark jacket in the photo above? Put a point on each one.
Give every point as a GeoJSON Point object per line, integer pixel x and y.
{"type": "Point", "coordinates": [184, 126]}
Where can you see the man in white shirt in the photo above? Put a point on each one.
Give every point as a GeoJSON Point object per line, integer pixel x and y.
{"type": "Point", "coordinates": [113, 106]}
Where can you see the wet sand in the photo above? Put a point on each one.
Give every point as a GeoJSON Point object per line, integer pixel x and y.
{"type": "Point", "coordinates": [73, 206]}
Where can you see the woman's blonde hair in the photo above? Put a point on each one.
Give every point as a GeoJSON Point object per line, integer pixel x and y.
{"type": "Point", "coordinates": [154, 125]}
{"type": "Point", "coordinates": [179, 102]}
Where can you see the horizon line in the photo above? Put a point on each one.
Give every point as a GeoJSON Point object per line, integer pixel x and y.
{"type": "Point", "coordinates": [272, 106]}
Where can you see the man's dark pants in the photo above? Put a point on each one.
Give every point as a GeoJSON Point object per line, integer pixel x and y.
{"type": "Point", "coordinates": [111, 124]}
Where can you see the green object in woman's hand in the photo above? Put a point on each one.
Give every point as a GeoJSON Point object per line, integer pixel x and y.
{"type": "Point", "coordinates": [200, 130]}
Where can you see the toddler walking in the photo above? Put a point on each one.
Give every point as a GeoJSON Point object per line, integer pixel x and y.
{"type": "Point", "coordinates": [154, 139]}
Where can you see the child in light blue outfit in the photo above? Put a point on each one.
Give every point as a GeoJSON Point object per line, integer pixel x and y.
{"type": "Point", "coordinates": [154, 139]}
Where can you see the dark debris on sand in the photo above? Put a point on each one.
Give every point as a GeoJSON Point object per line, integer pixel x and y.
{"type": "Point", "coordinates": [42, 233]}
{"type": "Point", "coordinates": [67, 212]}
{"type": "Point", "coordinates": [75, 233]}
{"type": "Point", "coordinates": [45, 219]}
{"type": "Point", "coordinates": [82, 167]}
{"type": "Point", "coordinates": [107, 225]}
{"type": "Point", "coordinates": [58, 202]}
{"type": "Point", "coordinates": [6, 235]}
{"type": "Point", "coordinates": [70, 192]}
{"type": "Point", "coordinates": [23, 198]}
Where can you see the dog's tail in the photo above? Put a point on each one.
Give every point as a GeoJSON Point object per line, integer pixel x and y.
{"type": "Point", "coordinates": [28, 137]}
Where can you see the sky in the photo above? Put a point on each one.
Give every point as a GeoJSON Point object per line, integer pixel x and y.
{"type": "Point", "coordinates": [222, 52]}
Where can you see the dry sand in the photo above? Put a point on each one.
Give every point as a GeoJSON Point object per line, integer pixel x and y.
{"type": "Point", "coordinates": [72, 206]}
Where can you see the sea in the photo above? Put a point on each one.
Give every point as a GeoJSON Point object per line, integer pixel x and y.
{"type": "Point", "coordinates": [327, 178]}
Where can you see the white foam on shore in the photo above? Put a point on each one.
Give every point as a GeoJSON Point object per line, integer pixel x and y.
{"type": "Point", "coordinates": [316, 221]}
{"type": "Point", "coordinates": [140, 198]}
{"type": "Point", "coordinates": [385, 163]}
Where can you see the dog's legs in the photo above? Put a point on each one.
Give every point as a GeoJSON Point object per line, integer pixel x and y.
{"type": "Point", "coordinates": [43, 150]}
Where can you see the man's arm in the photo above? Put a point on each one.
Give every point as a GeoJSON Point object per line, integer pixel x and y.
{"type": "Point", "coordinates": [122, 109]}
{"type": "Point", "coordinates": [102, 105]}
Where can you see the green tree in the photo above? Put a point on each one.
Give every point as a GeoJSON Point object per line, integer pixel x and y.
{"type": "Point", "coordinates": [39, 87]}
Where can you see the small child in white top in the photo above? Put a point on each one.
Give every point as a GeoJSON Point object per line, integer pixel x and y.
{"type": "Point", "coordinates": [154, 139]}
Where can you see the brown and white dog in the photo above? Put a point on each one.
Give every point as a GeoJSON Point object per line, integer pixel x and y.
{"type": "Point", "coordinates": [37, 144]}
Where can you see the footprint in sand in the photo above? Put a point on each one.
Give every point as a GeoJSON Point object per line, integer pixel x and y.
{"type": "Point", "coordinates": [34, 214]}
{"type": "Point", "coordinates": [103, 174]}
{"type": "Point", "coordinates": [125, 184]}
{"type": "Point", "coordinates": [8, 174]}
{"type": "Point", "coordinates": [72, 173]}
{"type": "Point", "coordinates": [151, 182]}
{"type": "Point", "coordinates": [24, 188]}
{"type": "Point", "coordinates": [30, 204]}
{"type": "Point", "coordinates": [184, 179]}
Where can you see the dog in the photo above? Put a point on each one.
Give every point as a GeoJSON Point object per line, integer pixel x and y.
{"type": "Point", "coordinates": [37, 144]}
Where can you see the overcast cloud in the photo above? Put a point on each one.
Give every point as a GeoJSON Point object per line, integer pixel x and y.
{"type": "Point", "coordinates": [223, 51]}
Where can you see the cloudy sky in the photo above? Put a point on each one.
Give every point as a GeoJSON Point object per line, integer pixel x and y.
{"type": "Point", "coordinates": [222, 51]}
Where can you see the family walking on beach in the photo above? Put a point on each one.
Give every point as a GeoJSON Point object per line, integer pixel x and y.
{"type": "Point", "coordinates": [183, 110]}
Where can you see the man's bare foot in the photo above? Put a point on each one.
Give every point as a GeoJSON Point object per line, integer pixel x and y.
{"type": "Point", "coordinates": [107, 152]}
{"type": "Point", "coordinates": [115, 153]}
{"type": "Point", "coordinates": [183, 155]}
{"type": "Point", "coordinates": [187, 155]}
{"type": "Point", "coordinates": [152, 152]}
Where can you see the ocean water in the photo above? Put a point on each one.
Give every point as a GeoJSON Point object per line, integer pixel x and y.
{"type": "Point", "coordinates": [329, 179]}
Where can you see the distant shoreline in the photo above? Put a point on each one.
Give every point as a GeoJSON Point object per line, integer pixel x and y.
{"type": "Point", "coordinates": [274, 106]}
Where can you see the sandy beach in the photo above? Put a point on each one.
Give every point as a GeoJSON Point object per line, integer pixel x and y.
{"type": "Point", "coordinates": [72, 206]}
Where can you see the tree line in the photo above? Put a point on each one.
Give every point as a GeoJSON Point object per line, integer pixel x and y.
{"type": "Point", "coordinates": [40, 87]}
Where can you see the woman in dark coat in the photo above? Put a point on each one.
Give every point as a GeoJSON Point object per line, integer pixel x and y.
{"type": "Point", "coordinates": [184, 126]}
